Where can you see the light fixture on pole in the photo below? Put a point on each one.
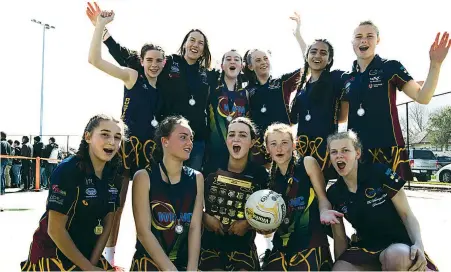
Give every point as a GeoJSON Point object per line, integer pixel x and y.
{"type": "Point", "coordinates": [44, 28]}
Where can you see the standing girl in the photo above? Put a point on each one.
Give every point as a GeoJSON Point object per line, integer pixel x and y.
{"type": "Point", "coordinates": [371, 93]}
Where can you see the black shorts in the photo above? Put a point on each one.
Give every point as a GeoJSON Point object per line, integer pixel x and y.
{"type": "Point", "coordinates": [212, 259]}
{"type": "Point", "coordinates": [55, 264]}
{"type": "Point", "coordinates": [362, 256]}
{"type": "Point", "coordinates": [310, 259]}
{"type": "Point", "coordinates": [137, 154]}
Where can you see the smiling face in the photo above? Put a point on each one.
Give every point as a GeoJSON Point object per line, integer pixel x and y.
{"type": "Point", "coordinates": [260, 63]}
{"type": "Point", "coordinates": [344, 156]}
{"type": "Point", "coordinates": [194, 46]}
{"type": "Point", "coordinates": [153, 63]}
{"type": "Point", "coordinates": [232, 64]}
{"type": "Point", "coordinates": [179, 144]}
{"type": "Point", "coordinates": [318, 56]}
{"type": "Point", "coordinates": [364, 41]}
{"type": "Point", "coordinates": [239, 140]}
{"type": "Point", "coordinates": [104, 141]}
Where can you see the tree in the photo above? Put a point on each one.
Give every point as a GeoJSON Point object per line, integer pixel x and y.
{"type": "Point", "coordinates": [418, 119]}
{"type": "Point", "coordinates": [440, 127]}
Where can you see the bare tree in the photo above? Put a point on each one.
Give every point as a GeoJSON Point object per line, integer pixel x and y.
{"type": "Point", "coordinates": [418, 120]}
{"type": "Point", "coordinates": [418, 117]}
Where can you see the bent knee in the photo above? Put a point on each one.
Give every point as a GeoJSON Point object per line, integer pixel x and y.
{"type": "Point", "coordinates": [344, 266]}
{"type": "Point", "coordinates": [396, 257]}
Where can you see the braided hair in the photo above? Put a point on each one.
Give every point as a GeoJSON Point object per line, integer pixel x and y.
{"type": "Point", "coordinates": [83, 149]}
{"type": "Point", "coordinates": [250, 75]}
{"type": "Point", "coordinates": [323, 90]}
{"type": "Point", "coordinates": [240, 79]}
{"type": "Point", "coordinates": [282, 128]}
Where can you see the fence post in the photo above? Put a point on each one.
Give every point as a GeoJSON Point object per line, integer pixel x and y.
{"type": "Point", "coordinates": [37, 178]}
{"type": "Point", "coordinates": [408, 140]}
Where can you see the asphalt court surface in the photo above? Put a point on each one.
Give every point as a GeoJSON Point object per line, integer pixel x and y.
{"type": "Point", "coordinates": [22, 212]}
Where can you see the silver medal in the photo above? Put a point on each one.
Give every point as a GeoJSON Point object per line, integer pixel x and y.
{"type": "Point", "coordinates": [308, 117]}
{"type": "Point", "coordinates": [154, 122]}
{"type": "Point", "coordinates": [361, 111]}
{"type": "Point", "coordinates": [229, 118]}
{"type": "Point", "coordinates": [263, 109]}
{"type": "Point", "coordinates": [192, 102]}
{"type": "Point", "coordinates": [179, 228]}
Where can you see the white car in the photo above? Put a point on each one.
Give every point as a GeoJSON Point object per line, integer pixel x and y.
{"type": "Point", "coordinates": [444, 174]}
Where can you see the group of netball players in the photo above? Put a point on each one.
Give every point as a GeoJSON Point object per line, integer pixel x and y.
{"type": "Point", "coordinates": [183, 122]}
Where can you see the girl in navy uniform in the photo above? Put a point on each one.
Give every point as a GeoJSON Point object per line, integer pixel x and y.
{"type": "Point", "coordinates": [184, 82]}
{"type": "Point", "coordinates": [229, 100]}
{"type": "Point", "coordinates": [269, 97]}
{"type": "Point", "coordinates": [228, 244]}
{"type": "Point", "coordinates": [372, 198]}
{"type": "Point", "coordinates": [300, 243]}
{"type": "Point", "coordinates": [167, 204]}
{"type": "Point", "coordinates": [83, 196]}
{"type": "Point", "coordinates": [315, 108]}
{"type": "Point", "coordinates": [140, 110]}
{"type": "Point", "coordinates": [371, 94]}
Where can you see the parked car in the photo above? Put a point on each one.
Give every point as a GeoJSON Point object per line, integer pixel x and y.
{"type": "Point", "coordinates": [423, 163]}
{"type": "Point", "coordinates": [443, 160]}
{"type": "Point", "coordinates": [444, 174]}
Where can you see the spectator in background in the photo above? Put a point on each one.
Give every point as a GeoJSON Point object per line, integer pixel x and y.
{"type": "Point", "coordinates": [27, 151]}
{"type": "Point", "coordinates": [5, 149]}
{"type": "Point", "coordinates": [8, 165]}
{"type": "Point", "coordinates": [51, 151]}
{"type": "Point", "coordinates": [17, 165]}
{"type": "Point", "coordinates": [38, 148]}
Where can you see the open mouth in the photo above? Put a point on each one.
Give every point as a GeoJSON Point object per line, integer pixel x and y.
{"type": "Point", "coordinates": [279, 156]}
{"type": "Point", "coordinates": [341, 165]}
{"type": "Point", "coordinates": [232, 68]}
{"type": "Point", "coordinates": [193, 50]}
{"type": "Point", "coordinates": [154, 70]}
{"type": "Point", "coordinates": [188, 150]}
{"type": "Point", "coordinates": [108, 150]}
{"type": "Point", "coordinates": [363, 48]}
{"type": "Point", "coordinates": [236, 148]}
{"type": "Point", "coordinates": [317, 61]}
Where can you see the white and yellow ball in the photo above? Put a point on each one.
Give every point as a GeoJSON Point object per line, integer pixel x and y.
{"type": "Point", "coordinates": [265, 210]}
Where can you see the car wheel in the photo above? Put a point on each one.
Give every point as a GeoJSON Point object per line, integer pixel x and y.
{"type": "Point", "coordinates": [445, 176]}
{"type": "Point", "coordinates": [422, 177]}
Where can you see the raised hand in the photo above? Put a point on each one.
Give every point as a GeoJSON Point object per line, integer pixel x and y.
{"type": "Point", "coordinates": [297, 18]}
{"type": "Point", "coordinates": [92, 12]}
{"type": "Point", "coordinates": [105, 17]}
{"type": "Point", "coordinates": [439, 49]}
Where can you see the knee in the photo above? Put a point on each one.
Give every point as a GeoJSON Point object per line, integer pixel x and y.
{"type": "Point", "coordinates": [344, 266]}
{"type": "Point", "coordinates": [396, 258]}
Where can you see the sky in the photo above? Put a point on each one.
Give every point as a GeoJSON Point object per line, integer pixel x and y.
{"type": "Point", "coordinates": [74, 90]}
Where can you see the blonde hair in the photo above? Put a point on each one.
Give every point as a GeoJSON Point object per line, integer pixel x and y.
{"type": "Point", "coordinates": [279, 127]}
{"type": "Point", "coordinates": [350, 135]}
